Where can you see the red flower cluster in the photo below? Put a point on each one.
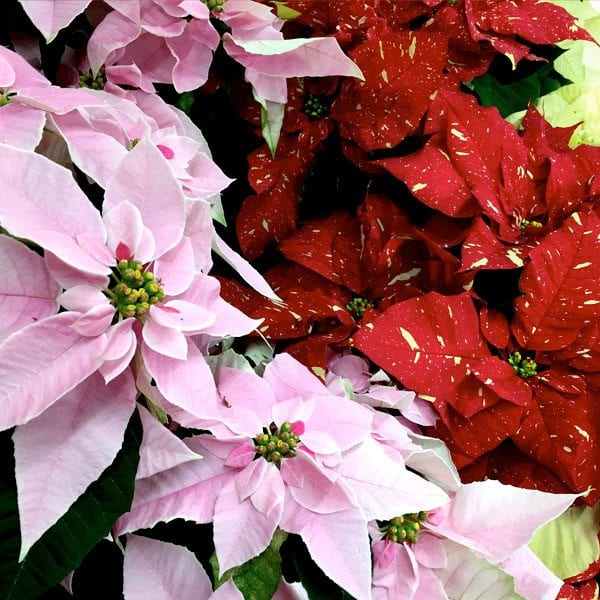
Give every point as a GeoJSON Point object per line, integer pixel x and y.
{"type": "Point", "coordinates": [483, 298]}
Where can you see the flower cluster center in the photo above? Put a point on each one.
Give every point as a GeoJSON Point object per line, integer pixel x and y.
{"type": "Point", "coordinates": [524, 367]}
{"type": "Point", "coordinates": [134, 290]}
{"type": "Point", "coordinates": [358, 306]}
{"type": "Point", "coordinates": [314, 107]}
{"type": "Point", "coordinates": [216, 5]}
{"type": "Point", "coordinates": [5, 98]}
{"type": "Point", "coordinates": [274, 444]}
{"type": "Point", "coordinates": [524, 224]}
{"type": "Point", "coordinates": [405, 528]}
{"type": "Point", "coordinates": [88, 80]}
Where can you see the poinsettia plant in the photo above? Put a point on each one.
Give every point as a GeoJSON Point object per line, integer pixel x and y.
{"type": "Point", "coordinates": [288, 309]}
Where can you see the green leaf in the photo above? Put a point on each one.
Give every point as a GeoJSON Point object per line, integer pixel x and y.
{"type": "Point", "coordinates": [62, 548]}
{"type": "Point", "coordinates": [271, 118]}
{"type": "Point", "coordinates": [259, 578]}
{"type": "Point", "coordinates": [515, 96]}
{"type": "Point", "coordinates": [284, 12]}
{"type": "Point", "coordinates": [185, 102]}
{"type": "Point", "coordinates": [569, 543]}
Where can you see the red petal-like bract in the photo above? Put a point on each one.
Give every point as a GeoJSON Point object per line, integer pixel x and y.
{"type": "Point", "coordinates": [402, 70]}
{"type": "Point", "coordinates": [330, 247]}
{"type": "Point", "coordinates": [561, 430]}
{"type": "Point", "coordinates": [585, 591]}
{"type": "Point", "coordinates": [469, 439]}
{"type": "Point", "coordinates": [512, 467]}
{"type": "Point", "coordinates": [560, 286]}
{"type": "Point", "coordinates": [271, 214]}
{"type": "Point", "coordinates": [433, 345]}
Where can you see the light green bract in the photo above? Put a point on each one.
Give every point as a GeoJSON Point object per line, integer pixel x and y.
{"type": "Point", "coordinates": [579, 102]}
{"type": "Point", "coordinates": [569, 544]}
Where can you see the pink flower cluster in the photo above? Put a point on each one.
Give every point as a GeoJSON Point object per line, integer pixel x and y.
{"type": "Point", "coordinates": [104, 313]}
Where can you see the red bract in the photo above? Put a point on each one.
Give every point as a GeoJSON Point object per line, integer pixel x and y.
{"type": "Point", "coordinates": [585, 591]}
{"type": "Point", "coordinates": [308, 300]}
{"type": "Point", "coordinates": [568, 174]}
{"type": "Point", "coordinates": [271, 214]}
{"type": "Point", "coordinates": [379, 255]}
{"type": "Point", "coordinates": [330, 247]}
{"type": "Point", "coordinates": [402, 70]}
{"type": "Point", "coordinates": [500, 23]}
{"type": "Point", "coordinates": [483, 250]}
{"type": "Point", "coordinates": [510, 466]}
{"type": "Point", "coordinates": [433, 345]}
{"type": "Point", "coordinates": [347, 21]}
{"type": "Point", "coordinates": [560, 429]}
{"type": "Point", "coordinates": [470, 438]}
{"type": "Point", "coordinates": [561, 294]}
{"type": "Point", "coordinates": [431, 177]}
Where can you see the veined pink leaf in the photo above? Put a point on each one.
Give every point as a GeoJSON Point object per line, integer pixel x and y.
{"type": "Point", "coordinates": [469, 576]}
{"type": "Point", "coordinates": [315, 57]}
{"type": "Point", "coordinates": [561, 289]}
{"type": "Point", "coordinates": [162, 571]}
{"type": "Point", "coordinates": [27, 291]}
{"type": "Point", "coordinates": [325, 534]}
{"type": "Point", "coordinates": [50, 16]}
{"type": "Point", "coordinates": [145, 179]}
{"type": "Point", "coordinates": [533, 579]}
{"type": "Point", "coordinates": [161, 449]}
{"type": "Point", "coordinates": [40, 201]}
{"type": "Point", "coordinates": [189, 384]}
{"type": "Point", "coordinates": [41, 363]}
{"type": "Point", "coordinates": [481, 514]}
{"type": "Point", "coordinates": [382, 488]}
{"type": "Point", "coordinates": [233, 515]}
{"type": "Point", "coordinates": [188, 491]}
{"type": "Point", "coordinates": [62, 451]}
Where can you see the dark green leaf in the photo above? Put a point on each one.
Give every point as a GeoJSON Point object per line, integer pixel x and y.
{"type": "Point", "coordinates": [62, 548]}
{"type": "Point", "coordinates": [185, 102]}
{"type": "Point", "coordinates": [259, 578]}
{"type": "Point", "coordinates": [512, 97]}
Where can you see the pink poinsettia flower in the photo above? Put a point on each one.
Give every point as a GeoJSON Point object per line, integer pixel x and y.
{"type": "Point", "coordinates": [284, 453]}
{"type": "Point", "coordinates": [157, 38]}
{"type": "Point", "coordinates": [129, 277]}
{"type": "Point", "coordinates": [98, 140]}
{"type": "Point", "coordinates": [25, 98]}
{"type": "Point", "coordinates": [120, 123]}
{"type": "Point", "coordinates": [479, 539]}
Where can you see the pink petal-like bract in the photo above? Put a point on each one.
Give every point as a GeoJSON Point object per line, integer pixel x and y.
{"type": "Point", "coordinates": [162, 571]}
{"type": "Point", "coordinates": [41, 363]}
{"type": "Point", "coordinates": [66, 448]}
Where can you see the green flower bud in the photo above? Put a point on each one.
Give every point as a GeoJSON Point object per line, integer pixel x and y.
{"type": "Point", "coordinates": [129, 310]}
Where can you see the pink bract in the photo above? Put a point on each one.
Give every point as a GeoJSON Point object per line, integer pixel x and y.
{"type": "Point", "coordinates": [85, 254]}
{"type": "Point", "coordinates": [336, 478]}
